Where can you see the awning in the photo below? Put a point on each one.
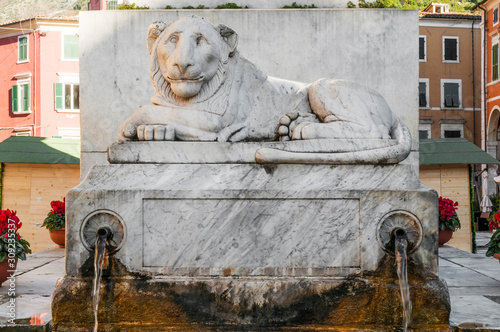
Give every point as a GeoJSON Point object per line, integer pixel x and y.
{"type": "Point", "coordinates": [435, 151]}
{"type": "Point", "coordinates": [40, 150]}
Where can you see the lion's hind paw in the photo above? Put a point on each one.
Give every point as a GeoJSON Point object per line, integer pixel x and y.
{"type": "Point", "coordinates": [292, 123]}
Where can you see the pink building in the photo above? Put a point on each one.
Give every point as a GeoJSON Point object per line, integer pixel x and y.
{"type": "Point", "coordinates": [39, 78]}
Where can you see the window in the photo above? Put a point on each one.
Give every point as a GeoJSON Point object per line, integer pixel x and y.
{"type": "Point", "coordinates": [452, 130]}
{"type": "Point", "coordinates": [451, 93]}
{"type": "Point", "coordinates": [424, 131]}
{"type": "Point", "coordinates": [495, 16]}
{"type": "Point", "coordinates": [22, 49]}
{"type": "Point", "coordinates": [21, 97]}
{"type": "Point", "coordinates": [450, 49]}
{"type": "Point", "coordinates": [112, 4]}
{"type": "Point", "coordinates": [23, 131]}
{"type": "Point", "coordinates": [70, 47]}
{"type": "Point", "coordinates": [67, 97]}
{"type": "Point", "coordinates": [494, 62]}
{"type": "Point", "coordinates": [68, 132]}
{"type": "Point", "coordinates": [423, 93]}
{"type": "Point", "coordinates": [422, 54]}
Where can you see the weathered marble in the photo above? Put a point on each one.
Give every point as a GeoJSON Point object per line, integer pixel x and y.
{"type": "Point", "coordinates": [235, 246]}
{"type": "Point", "coordinates": [226, 210]}
{"type": "Point", "coordinates": [326, 151]}
{"type": "Point", "coordinates": [262, 236]}
{"type": "Point", "coordinates": [373, 44]}
{"type": "Point", "coordinates": [205, 91]}
{"type": "Point", "coordinates": [251, 236]}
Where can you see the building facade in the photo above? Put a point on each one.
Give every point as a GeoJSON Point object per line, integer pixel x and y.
{"type": "Point", "coordinates": [450, 75]}
{"type": "Point", "coordinates": [39, 78]}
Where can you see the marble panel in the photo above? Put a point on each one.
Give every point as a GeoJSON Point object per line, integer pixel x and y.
{"type": "Point", "coordinates": [250, 236]}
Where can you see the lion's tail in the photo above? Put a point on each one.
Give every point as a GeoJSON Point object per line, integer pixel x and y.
{"type": "Point", "coordinates": [393, 153]}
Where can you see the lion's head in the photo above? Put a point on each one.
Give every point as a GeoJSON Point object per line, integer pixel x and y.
{"type": "Point", "coordinates": [188, 58]}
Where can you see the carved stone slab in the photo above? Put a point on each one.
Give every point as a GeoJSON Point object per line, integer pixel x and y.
{"type": "Point", "coordinates": [250, 236]}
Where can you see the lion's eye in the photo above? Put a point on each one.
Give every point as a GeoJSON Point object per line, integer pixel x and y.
{"type": "Point", "coordinates": [173, 39]}
{"type": "Point", "coordinates": [201, 40]}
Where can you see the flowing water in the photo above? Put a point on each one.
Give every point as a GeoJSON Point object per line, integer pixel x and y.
{"type": "Point", "coordinates": [100, 253]}
{"type": "Point", "coordinates": [404, 287]}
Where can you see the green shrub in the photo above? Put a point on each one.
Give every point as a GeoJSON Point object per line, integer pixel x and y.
{"type": "Point", "coordinates": [230, 5]}
{"type": "Point", "coordinates": [132, 6]}
{"type": "Point", "coordinates": [294, 5]}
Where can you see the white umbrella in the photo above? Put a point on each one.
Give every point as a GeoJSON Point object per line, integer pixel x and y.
{"type": "Point", "coordinates": [486, 207]}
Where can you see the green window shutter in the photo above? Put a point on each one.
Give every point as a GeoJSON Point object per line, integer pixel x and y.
{"type": "Point", "coordinates": [15, 102]}
{"type": "Point", "coordinates": [23, 49]}
{"type": "Point", "coordinates": [421, 46]}
{"type": "Point", "coordinates": [58, 96]}
{"type": "Point", "coordinates": [70, 47]}
{"type": "Point", "coordinates": [451, 95]}
{"type": "Point", "coordinates": [422, 91]}
{"type": "Point", "coordinates": [450, 49]}
{"type": "Point", "coordinates": [26, 97]}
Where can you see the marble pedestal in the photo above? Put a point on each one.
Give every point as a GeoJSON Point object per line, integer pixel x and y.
{"type": "Point", "coordinates": [235, 246]}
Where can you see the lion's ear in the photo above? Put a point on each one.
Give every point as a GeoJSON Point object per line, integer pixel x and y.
{"type": "Point", "coordinates": [155, 29]}
{"type": "Point", "coordinates": [230, 36]}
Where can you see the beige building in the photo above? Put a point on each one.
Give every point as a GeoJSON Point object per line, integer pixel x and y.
{"type": "Point", "coordinates": [450, 74]}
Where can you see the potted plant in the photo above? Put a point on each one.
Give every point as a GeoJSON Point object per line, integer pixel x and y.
{"type": "Point", "coordinates": [494, 244]}
{"type": "Point", "coordinates": [448, 219]}
{"type": "Point", "coordinates": [55, 222]}
{"type": "Point", "coordinates": [12, 246]}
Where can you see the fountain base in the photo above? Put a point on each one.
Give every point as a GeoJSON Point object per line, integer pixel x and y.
{"type": "Point", "coordinates": [248, 247]}
{"type": "Point", "coordinates": [231, 304]}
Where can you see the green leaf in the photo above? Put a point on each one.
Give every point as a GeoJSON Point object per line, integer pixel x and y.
{"type": "Point", "coordinates": [3, 255]}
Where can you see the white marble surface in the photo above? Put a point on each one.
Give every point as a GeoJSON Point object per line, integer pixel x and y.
{"type": "Point", "coordinates": [338, 151]}
{"type": "Point", "coordinates": [331, 207]}
{"type": "Point", "coordinates": [206, 91]}
{"type": "Point", "coordinates": [364, 40]}
{"type": "Point", "coordinates": [250, 236]}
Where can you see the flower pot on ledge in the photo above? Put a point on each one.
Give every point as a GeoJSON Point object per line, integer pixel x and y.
{"type": "Point", "coordinates": [59, 237]}
{"type": "Point", "coordinates": [445, 236]}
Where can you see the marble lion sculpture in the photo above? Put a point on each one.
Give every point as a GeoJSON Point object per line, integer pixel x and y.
{"type": "Point", "coordinates": [206, 91]}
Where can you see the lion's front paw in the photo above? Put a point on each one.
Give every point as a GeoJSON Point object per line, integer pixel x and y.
{"type": "Point", "coordinates": [155, 133]}
{"type": "Point", "coordinates": [291, 125]}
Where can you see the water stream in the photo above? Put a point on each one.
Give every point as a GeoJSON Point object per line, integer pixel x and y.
{"type": "Point", "coordinates": [404, 288]}
{"type": "Point", "coordinates": [100, 253]}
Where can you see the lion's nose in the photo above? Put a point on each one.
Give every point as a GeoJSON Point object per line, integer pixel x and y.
{"type": "Point", "coordinates": [184, 58]}
{"type": "Point", "coordinates": [183, 65]}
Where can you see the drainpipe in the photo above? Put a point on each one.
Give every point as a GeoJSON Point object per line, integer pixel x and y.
{"type": "Point", "coordinates": [473, 88]}
{"type": "Point", "coordinates": [485, 77]}
{"type": "Point", "coordinates": [35, 77]}
{"type": "Point", "coordinates": [484, 98]}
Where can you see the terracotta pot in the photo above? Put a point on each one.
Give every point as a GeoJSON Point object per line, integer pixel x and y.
{"type": "Point", "coordinates": [445, 236]}
{"type": "Point", "coordinates": [497, 256]}
{"type": "Point", "coordinates": [4, 267]}
{"type": "Point", "coordinates": [59, 237]}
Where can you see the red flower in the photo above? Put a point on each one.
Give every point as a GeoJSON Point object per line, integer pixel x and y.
{"type": "Point", "coordinates": [58, 206]}
{"type": "Point", "coordinates": [447, 208]}
{"type": "Point", "coordinates": [497, 216]}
